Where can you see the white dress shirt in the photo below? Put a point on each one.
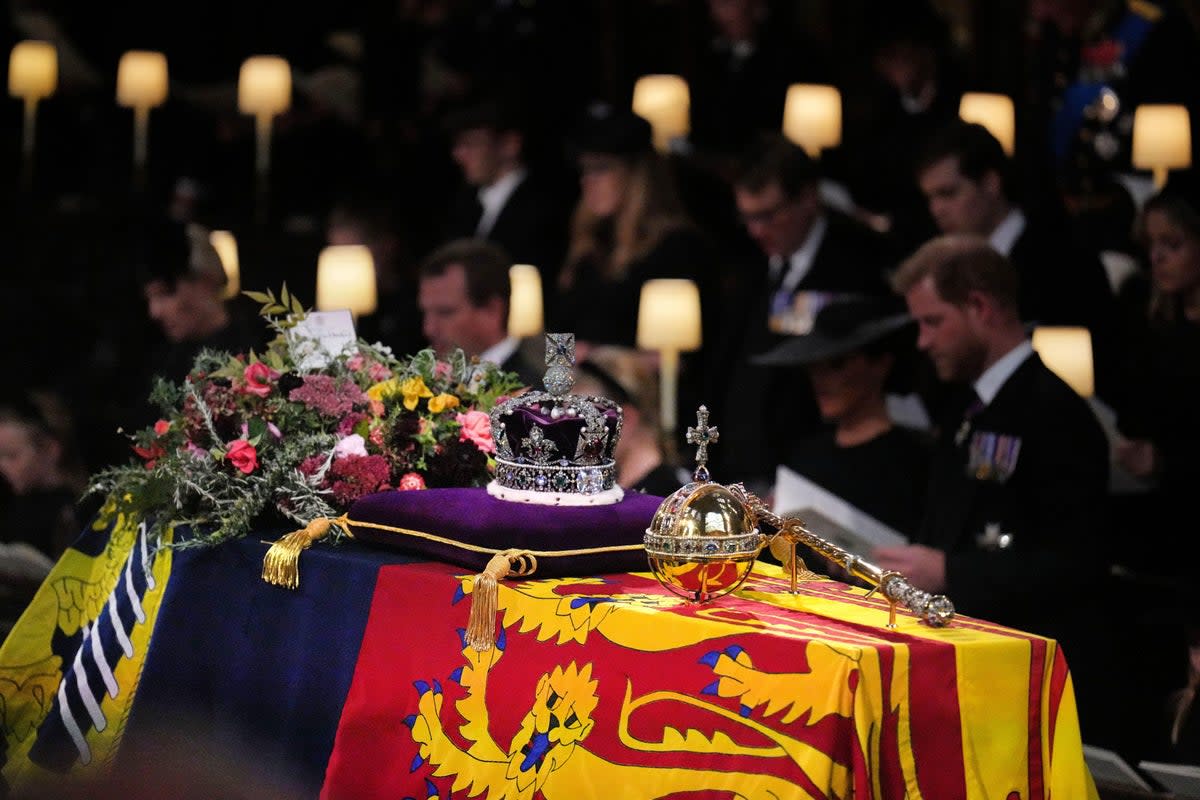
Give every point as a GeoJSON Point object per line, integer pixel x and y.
{"type": "Point", "coordinates": [493, 197]}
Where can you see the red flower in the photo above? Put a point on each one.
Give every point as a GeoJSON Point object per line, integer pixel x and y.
{"type": "Point", "coordinates": [258, 377]}
{"type": "Point", "coordinates": [151, 454]}
{"type": "Point", "coordinates": [410, 481]}
{"type": "Point", "coordinates": [243, 456]}
{"type": "Point", "coordinates": [161, 427]}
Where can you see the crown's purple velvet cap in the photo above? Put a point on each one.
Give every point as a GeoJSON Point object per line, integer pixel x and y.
{"type": "Point", "coordinates": [564, 431]}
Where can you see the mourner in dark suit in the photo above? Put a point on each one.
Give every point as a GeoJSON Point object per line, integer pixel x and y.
{"type": "Point", "coordinates": [964, 175]}
{"type": "Point", "coordinates": [463, 294]}
{"type": "Point", "coordinates": [504, 198]}
{"type": "Point", "coordinates": [814, 255]}
{"type": "Point", "coordinates": [1015, 520]}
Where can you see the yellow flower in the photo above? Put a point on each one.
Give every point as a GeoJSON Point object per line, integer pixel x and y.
{"type": "Point", "coordinates": [442, 402]}
{"type": "Point", "coordinates": [413, 390]}
{"type": "Point", "coordinates": [383, 389]}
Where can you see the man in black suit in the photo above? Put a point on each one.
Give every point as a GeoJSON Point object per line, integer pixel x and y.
{"type": "Point", "coordinates": [814, 254]}
{"type": "Point", "coordinates": [503, 199]}
{"type": "Point", "coordinates": [463, 295]}
{"type": "Point", "coordinates": [1013, 531]}
{"type": "Point", "coordinates": [964, 174]}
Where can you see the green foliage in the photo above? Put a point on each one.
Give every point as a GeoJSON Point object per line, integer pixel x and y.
{"type": "Point", "coordinates": [247, 439]}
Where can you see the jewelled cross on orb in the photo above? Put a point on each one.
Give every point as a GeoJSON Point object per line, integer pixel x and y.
{"type": "Point", "coordinates": [560, 358]}
{"type": "Point", "coordinates": [702, 436]}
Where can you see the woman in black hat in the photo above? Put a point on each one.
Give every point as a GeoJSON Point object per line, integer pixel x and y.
{"type": "Point", "coordinates": [628, 227]}
{"type": "Point", "coordinates": [855, 354]}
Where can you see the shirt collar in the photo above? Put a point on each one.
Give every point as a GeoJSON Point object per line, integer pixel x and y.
{"type": "Point", "coordinates": [800, 262]}
{"type": "Point", "coordinates": [493, 197]}
{"type": "Point", "coordinates": [988, 385]}
{"type": "Point", "coordinates": [1007, 232]}
{"type": "Point", "coordinates": [500, 351]}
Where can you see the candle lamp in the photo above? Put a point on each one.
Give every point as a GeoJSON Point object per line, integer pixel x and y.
{"type": "Point", "coordinates": [525, 310]}
{"type": "Point", "coordinates": [346, 279]}
{"type": "Point", "coordinates": [992, 111]}
{"type": "Point", "coordinates": [664, 102]}
{"type": "Point", "coordinates": [32, 76]}
{"type": "Point", "coordinates": [669, 322]}
{"type": "Point", "coordinates": [264, 90]}
{"type": "Point", "coordinates": [141, 85]}
{"type": "Point", "coordinates": [1067, 351]}
{"type": "Point", "coordinates": [1162, 139]}
{"type": "Point", "coordinates": [226, 246]}
{"type": "Point", "coordinates": [812, 117]}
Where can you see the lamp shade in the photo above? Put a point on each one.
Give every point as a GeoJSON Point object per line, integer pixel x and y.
{"type": "Point", "coordinates": [664, 102]}
{"type": "Point", "coordinates": [226, 246]}
{"type": "Point", "coordinates": [992, 111]}
{"type": "Point", "coordinates": [1068, 353]}
{"type": "Point", "coordinates": [142, 79]}
{"type": "Point", "coordinates": [346, 279]}
{"type": "Point", "coordinates": [265, 86]}
{"type": "Point", "coordinates": [669, 315]}
{"type": "Point", "coordinates": [1162, 137]}
{"type": "Point", "coordinates": [32, 70]}
{"type": "Point", "coordinates": [812, 116]}
{"type": "Point", "coordinates": [525, 310]}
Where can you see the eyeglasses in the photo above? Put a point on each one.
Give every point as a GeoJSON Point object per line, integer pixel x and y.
{"type": "Point", "coordinates": [763, 216]}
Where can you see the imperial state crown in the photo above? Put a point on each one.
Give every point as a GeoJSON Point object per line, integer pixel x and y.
{"type": "Point", "coordinates": [553, 447]}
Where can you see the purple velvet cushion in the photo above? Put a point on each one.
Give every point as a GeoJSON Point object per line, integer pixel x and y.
{"type": "Point", "coordinates": [466, 527]}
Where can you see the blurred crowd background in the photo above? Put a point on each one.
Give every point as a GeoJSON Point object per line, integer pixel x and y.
{"type": "Point", "coordinates": [400, 112]}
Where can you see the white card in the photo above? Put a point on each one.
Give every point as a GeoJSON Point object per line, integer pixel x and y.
{"type": "Point", "coordinates": [321, 337]}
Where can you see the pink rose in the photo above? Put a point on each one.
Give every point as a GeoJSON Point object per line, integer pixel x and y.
{"type": "Point", "coordinates": [410, 481]}
{"type": "Point", "coordinates": [161, 427]}
{"type": "Point", "coordinates": [375, 437]}
{"type": "Point", "coordinates": [258, 377]}
{"type": "Point", "coordinates": [243, 456]}
{"type": "Point", "coordinates": [355, 362]}
{"type": "Point", "coordinates": [477, 429]}
{"type": "Point", "coordinates": [378, 373]}
{"type": "Point", "coordinates": [352, 445]}
{"type": "Point", "coordinates": [441, 370]}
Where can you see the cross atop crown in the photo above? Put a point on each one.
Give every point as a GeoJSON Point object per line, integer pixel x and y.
{"type": "Point", "coordinates": [560, 358]}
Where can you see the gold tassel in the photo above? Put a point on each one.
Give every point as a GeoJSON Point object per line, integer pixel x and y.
{"type": "Point", "coordinates": [481, 625]}
{"type": "Point", "coordinates": [281, 564]}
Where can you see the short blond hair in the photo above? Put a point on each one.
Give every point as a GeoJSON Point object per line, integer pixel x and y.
{"type": "Point", "coordinates": [959, 264]}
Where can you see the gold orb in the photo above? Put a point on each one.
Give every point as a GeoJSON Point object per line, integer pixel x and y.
{"type": "Point", "coordinates": [702, 542]}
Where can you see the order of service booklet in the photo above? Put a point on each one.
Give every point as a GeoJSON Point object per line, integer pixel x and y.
{"type": "Point", "coordinates": [829, 516]}
{"type": "Point", "coordinates": [1183, 780]}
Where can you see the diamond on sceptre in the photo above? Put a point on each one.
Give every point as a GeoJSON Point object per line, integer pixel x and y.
{"type": "Point", "coordinates": [702, 435]}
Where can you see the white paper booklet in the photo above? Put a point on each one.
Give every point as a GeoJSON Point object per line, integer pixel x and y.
{"type": "Point", "coordinates": [23, 561]}
{"type": "Point", "coordinates": [320, 337]}
{"type": "Point", "coordinates": [1109, 768]}
{"type": "Point", "coordinates": [830, 516]}
{"type": "Point", "coordinates": [1181, 779]}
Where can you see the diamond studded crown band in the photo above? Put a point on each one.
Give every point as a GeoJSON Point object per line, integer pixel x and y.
{"type": "Point", "coordinates": [591, 479]}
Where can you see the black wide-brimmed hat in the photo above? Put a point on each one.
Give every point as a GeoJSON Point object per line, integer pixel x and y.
{"type": "Point", "coordinates": [612, 130]}
{"type": "Point", "coordinates": [843, 326]}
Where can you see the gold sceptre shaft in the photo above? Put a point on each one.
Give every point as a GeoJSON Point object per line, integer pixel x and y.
{"type": "Point", "coordinates": [935, 609]}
